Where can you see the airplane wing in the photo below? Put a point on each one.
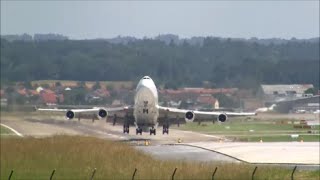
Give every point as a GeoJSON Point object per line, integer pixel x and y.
{"type": "Point", "coordinates": [102, 112]}
{"type": "Point", "coordinates": [190, 115]}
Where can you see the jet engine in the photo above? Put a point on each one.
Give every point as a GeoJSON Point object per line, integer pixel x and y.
{"type": "Point", "coordinates": [222, 117]}
{"type": "Point", "coordinates": [102, 113]}
{"type": "Point", "coordinates": [70, 114]}
{"type": "Point", "coordinates": [189, 116]}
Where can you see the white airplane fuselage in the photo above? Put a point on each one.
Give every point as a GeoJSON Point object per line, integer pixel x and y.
{"type": "Point", "coordinates": [146, 111]}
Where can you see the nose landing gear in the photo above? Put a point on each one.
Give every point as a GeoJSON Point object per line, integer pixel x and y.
{"type": "Point", "coordinates": [139, 131]}
{"type": "Point", "coordinates": [153, 131]}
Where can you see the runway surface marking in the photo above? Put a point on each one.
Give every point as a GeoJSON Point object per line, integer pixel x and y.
{"type": "Point", "coordinates": [13, 130]}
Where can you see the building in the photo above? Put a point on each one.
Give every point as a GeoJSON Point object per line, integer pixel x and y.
{"type": "Point", "coordinates": [207, 100]}
{"type": "Point", "coordinates": [50, 97]}
{"type": "Point", "coordinates": [283, 92]}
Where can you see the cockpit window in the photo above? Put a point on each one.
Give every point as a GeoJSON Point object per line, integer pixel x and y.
{"type": "Point", "coordinates": [146, 77]}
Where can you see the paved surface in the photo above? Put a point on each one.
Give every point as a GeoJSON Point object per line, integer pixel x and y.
{"type": "Point", "coordinates": [203, 150]}
{"type": "Point", "coordinates": [46, 127]}
{"type": "Point", "coordinates": [270, 152]}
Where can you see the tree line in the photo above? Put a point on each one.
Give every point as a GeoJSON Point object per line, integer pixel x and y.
{"type": "Point", "coordinates": [219, 63]}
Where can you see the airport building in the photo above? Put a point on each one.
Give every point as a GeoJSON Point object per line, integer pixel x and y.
{"type": "Point", "coordinates": [289, 97]}
{"type": "Point", "coordinates": [283, 92]}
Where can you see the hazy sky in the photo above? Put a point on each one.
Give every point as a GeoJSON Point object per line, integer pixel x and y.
{"type": "Point", "coordinates": [106, 19]}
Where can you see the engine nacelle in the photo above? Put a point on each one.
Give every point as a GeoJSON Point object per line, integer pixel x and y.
{"type": "Point", "coordinates": [222, 117]}
{"type": "Point", "coordinates": [70, 114]}
{"type": "Point", "coordinates": [102, 113]}
{"type": "Point", "coordinates": [189, 116]}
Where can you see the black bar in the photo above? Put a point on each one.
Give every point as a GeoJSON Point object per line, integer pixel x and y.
{"type": "Point", "coordinates": [215, 170]}
{"type": "Point", "coordinates": [10, 174]}
{"type": "Point", "coordinates": [134, 173]}
{"type": "Point", "coordinates": [294, 169]}
{"type": "Point", "coordinates": [94, 172]}
{"type": "Point", "coordinates": [52, 174]}
{"type": "Point", "coordinates": [254, 171]}
{"type": "Point", "coordinates": [174, 172]}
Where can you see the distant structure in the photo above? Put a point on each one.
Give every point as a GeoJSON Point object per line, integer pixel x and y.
{"type": "Point", "coordinates": [283, 92]}
{"type": "Point", "coordinates": [289, 97]}
{"type": "Point", "coordinates": [207, 100]}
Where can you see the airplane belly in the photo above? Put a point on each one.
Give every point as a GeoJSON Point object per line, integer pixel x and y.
{"type": "Point", "coordinates": [145, 111]}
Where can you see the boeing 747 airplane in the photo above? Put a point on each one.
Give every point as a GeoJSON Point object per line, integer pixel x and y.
{"type": "Point", "coordinates": [146, 110]}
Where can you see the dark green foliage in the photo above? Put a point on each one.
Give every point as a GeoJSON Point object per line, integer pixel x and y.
{"type": "Point", "coordinates": [58, 84]}
{"type": "Point", "coordinates": [227, 63]}
{"type": "Point", "coordinates": [96, 86]}
{"type": "Point", "coordinates": [76, 96]}
{"type": "Point", "coordinates": [226, 101]}
{"type": "Point", "coordinates": [311, 91]}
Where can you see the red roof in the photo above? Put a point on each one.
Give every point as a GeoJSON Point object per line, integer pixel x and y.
{"type": "Point", "coordinates": [206, 99]}
{"type": "Point", "coordinates": [1, 92]}
{"type": "Point", "coordinates": [102, 93]}
{"type": "Point", "coordinates": [48, 91]}
{"type": "Point", "coordinates": [33, 92]}
{"type": "Point", "coordinates": [49, 97]}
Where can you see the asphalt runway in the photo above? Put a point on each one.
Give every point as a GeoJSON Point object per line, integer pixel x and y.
{"type": "Point", "coordinates": [38, 127]}
{"type": "Point", "coordinates": [193, 146]}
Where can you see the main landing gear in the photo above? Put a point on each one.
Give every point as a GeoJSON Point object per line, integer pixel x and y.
{"type": "Point", "coordinates": [125, 125]}
{"type": "Point", "coordinates": [139, 131]}
{"type": "Point", "coordinates": [153, 131]}
{"type": "Point", "coordinates": [165, 129]}
{"type": "Point", "coordinates": [126, 128]}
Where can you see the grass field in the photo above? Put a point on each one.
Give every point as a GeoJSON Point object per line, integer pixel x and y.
{"type": "Point", "coordinates": [5, 131]}
{"type": "Point", "coordinates": [75, 157]}
{"type": "Point", "coordinates": [270, 131]}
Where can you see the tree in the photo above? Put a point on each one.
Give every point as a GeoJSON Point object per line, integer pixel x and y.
{"type": "Point", "coordinates": [110, 87]}
{"type": "Point", "coordinates": [224, 62]}
{"type": "Point", "coordinates": [81, 84]}
{"type": "Point", "coordinates": [58, 84]}
{"type": "Point", "coordinates": [310, 91]}
{"type": "Point", "coordinates": [227, 102]}
{"type": "Point", "coordinates": [96, 86]}
{"type": "Point", "coordinates": [27, 84]}
{"type": "Point", "coordinates": [45, 85]}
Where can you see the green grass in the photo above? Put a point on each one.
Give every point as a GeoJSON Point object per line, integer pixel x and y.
{"type": "Point", "coordinates": [254, 130]}
{"type": "Point", "coordinates": [75, 157]}
{"type": "Point", "coordinates": [282, 138]}
{"type": "Point", "coordinates": [5, 131]}
{"type": "Point", "coordinates": [243, 127]}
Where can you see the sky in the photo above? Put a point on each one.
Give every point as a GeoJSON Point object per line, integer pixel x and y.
{"type": "Point", "coordinates": [108, 19]}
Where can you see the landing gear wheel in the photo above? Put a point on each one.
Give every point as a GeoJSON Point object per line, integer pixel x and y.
{"type": "Point", "coordinates": [152, 131]}
{"type": "Point", "coordinates": [139, 131]}
{"type": "Point", "coordinates": [125, 129]}
{"type": "Point", "coordinates": [165, 129]}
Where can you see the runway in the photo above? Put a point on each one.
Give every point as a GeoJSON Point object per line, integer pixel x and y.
{"type": "Point", "coordinates": [193, 147]}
